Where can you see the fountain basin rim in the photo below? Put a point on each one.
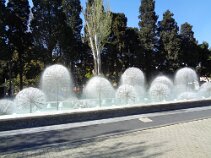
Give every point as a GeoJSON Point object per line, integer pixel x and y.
{"type": "Point", "coordinates": [87, 110]}
{"type": "Point", "coordinates": [40, 120]}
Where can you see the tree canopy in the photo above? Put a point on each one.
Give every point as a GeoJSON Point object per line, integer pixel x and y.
{"type": "Point", "coordinates": [48, 32]}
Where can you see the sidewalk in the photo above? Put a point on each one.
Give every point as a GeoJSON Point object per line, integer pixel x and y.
{"type": "Point", "coordinates": [188, 140]}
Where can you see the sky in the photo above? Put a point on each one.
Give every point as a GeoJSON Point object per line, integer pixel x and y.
{"type": "Point", "coordinates": [195, 12]}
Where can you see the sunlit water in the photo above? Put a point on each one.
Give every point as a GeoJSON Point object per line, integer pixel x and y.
{"type": "Point", "coordinates": [55, 93]}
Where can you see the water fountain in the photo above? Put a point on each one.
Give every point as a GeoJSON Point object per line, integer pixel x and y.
{"type": "Point", "coordinates": [126, 94]}
{"type": "Point", "coordinates": [134, 77]}
{"type": "Point", "coordinates": [186, 80]}
{"type": "Point", "coordinates": [98, 88]}
{"type": "Point", "coordinates": [56, 83]}
{"type": "Point", "coordinates": [205, 90]}
{"type": "Point", "coordinates": [7, 107]}
{"type": "Point", "coordinates": [159, 92]}
{"type": "Point", "coordinates": [187, 96]}
{"type": "Point", "coordinates": [55, 92]}
{"type": "Point", "coordinates": [30, 99]}
{"type": "Point", "coordinates": [164, 80]}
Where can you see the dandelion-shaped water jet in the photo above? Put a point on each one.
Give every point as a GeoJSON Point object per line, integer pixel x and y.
{"type": "Point", "coordinates": [98, 88]}
{"type": "Point", "coordinates": [134, 77]}
{"type": "Point", "coordinates": [7, 107]}
{"type": "Point", "coordinates": [159, 92]}
{"type": "Point", "coordinates": [164, 80]}
{"type": "Point", "coordinates": [30, 98]}
{"type": "Point", "coordinates": [56, 83]}
{"type": "Point", "coordinates": [127, 93]}
{"type": "Point", "coordinates": [186, 79]}
{"type": "Point", "coordinates": [205, 90]}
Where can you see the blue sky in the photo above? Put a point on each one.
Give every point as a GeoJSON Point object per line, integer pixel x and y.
{"type": "Point", "coordinates": [196, 12]}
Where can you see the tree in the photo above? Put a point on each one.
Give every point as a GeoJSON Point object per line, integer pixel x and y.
{"type": "Point", "coordinates": [114, 56]}
{"type": "Point", "coordinates": [71, 40]}
{"type": "Point", "coordinates": [170, 43]}
{"type": "Point", "coordinates": [98, 28]}
{"type": "Point", "coordinates": [204, 67]}
{"type": "Point", "coordinates": [3, 46]}
{"type": "Point", "coordinates": [190, 55]}
{"type": "Point", "coordinates": [72, 10]}
{"type": "Point", "coordinates": [19, 43]}
{"type": "Point", "coordinates": [148, 36]}
{"type": "Point", "coordinates": [46, 26]}
{"type": "Point", "coordinates": [3, 51]}
{"type": "Point", "coordinates": [134, 48]}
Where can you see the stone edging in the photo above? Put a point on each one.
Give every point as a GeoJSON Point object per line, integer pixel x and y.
{"type": "Point", "coordinates": [80, 116]}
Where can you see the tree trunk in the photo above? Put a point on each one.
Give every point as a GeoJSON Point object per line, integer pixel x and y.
{"type": "Point", "coordinates": [98, 62]}
{"type": "Point", "coordinates": [95, 66]}
{"type": "Point", "coordinates": [94, 54]}
{"type": "Point", "coordinates": [98, 51]}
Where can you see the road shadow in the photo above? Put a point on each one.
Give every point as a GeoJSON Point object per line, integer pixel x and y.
{"type": "Point", "coordinates": [19, 143]}
{"type": "Point", "coordinates": [90, 148]}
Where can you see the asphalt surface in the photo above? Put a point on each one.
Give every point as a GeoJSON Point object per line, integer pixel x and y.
{"type": "Point", "coordinates": [76, 133]}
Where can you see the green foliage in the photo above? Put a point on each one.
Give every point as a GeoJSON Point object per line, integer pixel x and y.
{"type": "Point", "coordinates": [54, 36]}
{"type": "Point", "coordinates": [134, 48]}
{"type": "Point", "coordinates": [19, 38]}
{"type": "Point", "coordinates": [190, 52]}
{"type": "Point", "coordinates": [71, 41]}
{"type": "Point", "coordinates": [98, 28]}
{"type": "Point", "coordinates": [204, 67]}
{"type": "Point", "coordinates": [170, 43]}
{"type": "Point", "coordinates": [72, 10]}
{"type": "Point", "coordinates": [98, 21]}
{"type": "Point", "coordinates": [46, 27]}
{"type": "Point", "coordinates": [114, 58]}
{"type": "Point", "coordinates": [3, 46]}
{"type": "Point", "coordinates": [148, 36]}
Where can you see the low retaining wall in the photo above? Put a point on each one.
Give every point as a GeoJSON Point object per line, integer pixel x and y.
{"type": "Point", "coordinates": [80, 116]}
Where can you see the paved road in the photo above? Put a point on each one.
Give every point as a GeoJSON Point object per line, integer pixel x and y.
{"type": "Point", "coordinates": [52, 136]}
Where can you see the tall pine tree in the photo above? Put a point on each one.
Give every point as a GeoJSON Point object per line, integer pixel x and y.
{"type": "Point", "coordinates": [148, 36]}
{"type": "Point", "coordinates": [72, 10]}
{"type": "Point", "coordinates": [114, 57]}
{"type": "Point", "coordinates": [3, 52]}
{"type": "Point", "coordinates": [46, 29]}
{"type": "Point", "coordinates": [72, 41]}
{"type": "Point", "coordinates": [170, 44]}
{"type": "Point", "coordinates": [3, 47]}
{"type": "Point", "coordinates": [17, 19]}
{"type": "Point", "coordinates": [190, 55]}
{"type": "Point", "coordinates": [204, 57]}
{"type": "Point", "coordinates": [134, 47]}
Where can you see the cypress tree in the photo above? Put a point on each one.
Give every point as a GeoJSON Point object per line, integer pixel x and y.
{"type": "Point", "coordinates": [134, 47]}
{"type": "Point", "coordinates": [72, 10]}
{"type": "Point", "coordinates": [190, 56]}
{"type": "Point", "coordinates": [3, 46]}
{"type": "Point", "coordinates": [170, 44]}
{"type": "Point", "coordinates": [148, 35]}
{"type": "Point", "coordinates": [17, 19]}
{"type": "Point", "coordinates": [204, 57]}
{"type": "Point", "coordinates": [114, 57]}
{"type": "Point", "coordinates": [71, 41]}
{"type": "Point", "coordinates": [46, 26]}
